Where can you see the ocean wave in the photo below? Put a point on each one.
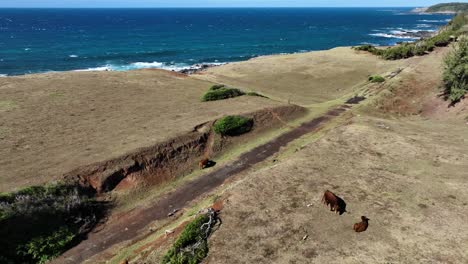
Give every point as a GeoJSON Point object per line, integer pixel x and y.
{"type": "Point", "coordinates": [394, 36]}
{"type": "Point", "coordinates": [369, 43]}
{"type": "Point", "coordinates": [434, 21]}
{"type": "Point", "coordinates": [3, 75]}
{"type": "Point", "coordinates": [73, 56]}
{"type": "Point", "coordinates": [423, 26]}
{"type": "Point", "coordinates": [151, 65]}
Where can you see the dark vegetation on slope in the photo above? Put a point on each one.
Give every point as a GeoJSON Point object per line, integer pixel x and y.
{"type": "Point", "coordinates": [456, 71]}
{"type": "Point", "coordinates": [233, 125]}
{"type": "Point", "coordinates": [455, 28]}
{"type": "Point", "coordinates": [376, 79]}
{"type": "Point", "coordinates": [221, 92]}
{"type": "Point", "coordinates": [41, 222]}
{"type": "Point", "coordinates": [448, 7]}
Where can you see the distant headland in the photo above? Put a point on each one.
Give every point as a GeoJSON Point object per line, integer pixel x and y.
{"type": "Point", "coordinates": [446, 8]}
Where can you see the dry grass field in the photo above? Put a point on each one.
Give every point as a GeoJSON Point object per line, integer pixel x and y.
{"type": "Point", "coordinates": [402, 161]}
{"type": "Point", "coordinates": [305, 78]}
{"type": "Point", "coordinates": [408, 176]}
{"type": "Point", "coordinates": [53, 123]}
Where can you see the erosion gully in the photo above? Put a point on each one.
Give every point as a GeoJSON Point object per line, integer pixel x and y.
{"type": "Point", "coordinates": [132, 225]}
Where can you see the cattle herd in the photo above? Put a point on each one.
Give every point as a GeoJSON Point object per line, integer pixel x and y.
{"type": "Point", "coordinates": [338, 206]}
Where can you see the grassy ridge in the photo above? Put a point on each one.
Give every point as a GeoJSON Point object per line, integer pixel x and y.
{"type": "Point", "coordinates": [448, 7]}
{"type": "Point", "coordinates": [455, 28]}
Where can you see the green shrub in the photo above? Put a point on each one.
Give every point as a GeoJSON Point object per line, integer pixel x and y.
{"type": "Point", "coordinates": [369, 48]}
{"type": "Point", "coordinates": [40, 222]}
{"type": "Point", "coordinates": [44, 248]}
{"type": "Point", "coordinates": [216, 87]}
{"type": "Point", "coordinates": [459, 21]}
{"type": "Point", "coordinates": [456, 71]}
{"type": "Point", "coordinates": [376, 79]}
{"type": "Point", "coordinates": [221, 93]}
{"type": "Point", "coordinates": [255, 94]}
{"type": "Point", "coordinates": [402, 51]}
{"type": "Point", "coordinates": [183, 250]}
{"type": "Point", "coordinates": [233, 125]}
{"type": "Point", "coordinates": [442, 39]}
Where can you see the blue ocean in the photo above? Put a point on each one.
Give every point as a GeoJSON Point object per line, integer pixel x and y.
{"type": "Point", "coordinates": [42, 40]}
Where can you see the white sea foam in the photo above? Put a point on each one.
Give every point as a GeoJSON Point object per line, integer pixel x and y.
{"type": "Point", "coordinates": [394, 36]}
{"type": "Point", "coordinates": [434, 21]}
{"type": "Point", "coordinates": [151, 65]}
{"type": "Point", "coordinates": [423, 26]}
{"type": "Point", "coordinates": [73, 56]}
{"type": "Point", "coordinates": [3, 75]}
{"type": "Point", "coordinates": [369, 43]}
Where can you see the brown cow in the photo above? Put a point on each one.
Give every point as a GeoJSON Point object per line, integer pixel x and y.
{"type": "Point", "coordinates": [362, 226]}
{"type": "Point", "coordinates": [203, 163]}
{"type": "Point", "coordinates": [336, 204]}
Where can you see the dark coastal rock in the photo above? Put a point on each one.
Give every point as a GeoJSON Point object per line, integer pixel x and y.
{"type": "Point", "coordinates": [196, 68]}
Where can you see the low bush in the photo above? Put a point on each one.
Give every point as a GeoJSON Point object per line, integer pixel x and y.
{"type": "Point", "coordinates": [376, 79]}
{"type": "Point", "coordinates": [403, 51]}
{"type": "Point", "coordinates": [255, 94]}
{"type": "Point", "coordinates": [442, 39]}
{"type": "Point", "coordinates": [216, 87]}
{"type": "Point", "coordinates": [220, 93]}
{"type": "Point", "coordinates": [456, 71]}
{"type": "Point", "coordinates": [233, 125]}
{"type": "Point", "coordinates": [192, 245]}
{"type": "Point", "coordinates": [39, 223]}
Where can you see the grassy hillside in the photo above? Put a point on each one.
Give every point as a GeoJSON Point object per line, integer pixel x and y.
{"type": "Point", "coordinates": [448, 7]}
{"type": "Point", "coordinates": [455, 28]}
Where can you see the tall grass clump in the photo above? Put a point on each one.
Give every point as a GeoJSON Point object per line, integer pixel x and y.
{"type": "Point", "coordinates": [39, 223]}
{"type": "Point", "coordinates": [233, 125]}
{"type": "Point", "coordinates": [456, 71]}
{"type": "Point", "coordinates": [221, 92]}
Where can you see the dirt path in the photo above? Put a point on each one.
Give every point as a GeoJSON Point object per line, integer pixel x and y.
{"type": "Point", "coordinates": [132, 225]}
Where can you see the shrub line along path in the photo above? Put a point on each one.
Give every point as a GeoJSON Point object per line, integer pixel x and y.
{"type": "Point", "coordinates": [132, 225]}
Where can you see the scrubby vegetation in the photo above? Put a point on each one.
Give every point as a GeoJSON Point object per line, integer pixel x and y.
{"type": "Point", "coordinates": [255, 94]}
{"type": "Point", "coordinates": [233, 125]}
{"type": "Point", "coordinates": [39, 223]}
{"type": "Point", "coordinates": [220, 92]}
{"type": "Point", "coordinates": [450, 7]}
{"type": "Point", "coordinates": [192, 246]}
{"type": "Point", "coordinates": [424, 46]}
{"type": "Point", "coordinates": [456, 71]}
{"type": "Point", "coordinates": [376, 79]}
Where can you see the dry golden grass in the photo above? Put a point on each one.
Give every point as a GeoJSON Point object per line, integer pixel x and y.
{"type": "Point", "coordinates": [53, 123]}
{"type": "Point", "coordinates": [305, 78]}
{"type": "Point", "coordinates": [407, 176]}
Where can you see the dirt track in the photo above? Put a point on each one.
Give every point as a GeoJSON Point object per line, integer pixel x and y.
{"type": "Point", "coordinates": [130, 227]}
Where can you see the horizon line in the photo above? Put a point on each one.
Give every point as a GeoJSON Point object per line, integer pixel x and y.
{"type": "Point", "coordinates": [197, 7]}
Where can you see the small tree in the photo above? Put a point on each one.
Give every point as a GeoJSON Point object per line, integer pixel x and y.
{"type": "Point", "coordinates": [456, 71]}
